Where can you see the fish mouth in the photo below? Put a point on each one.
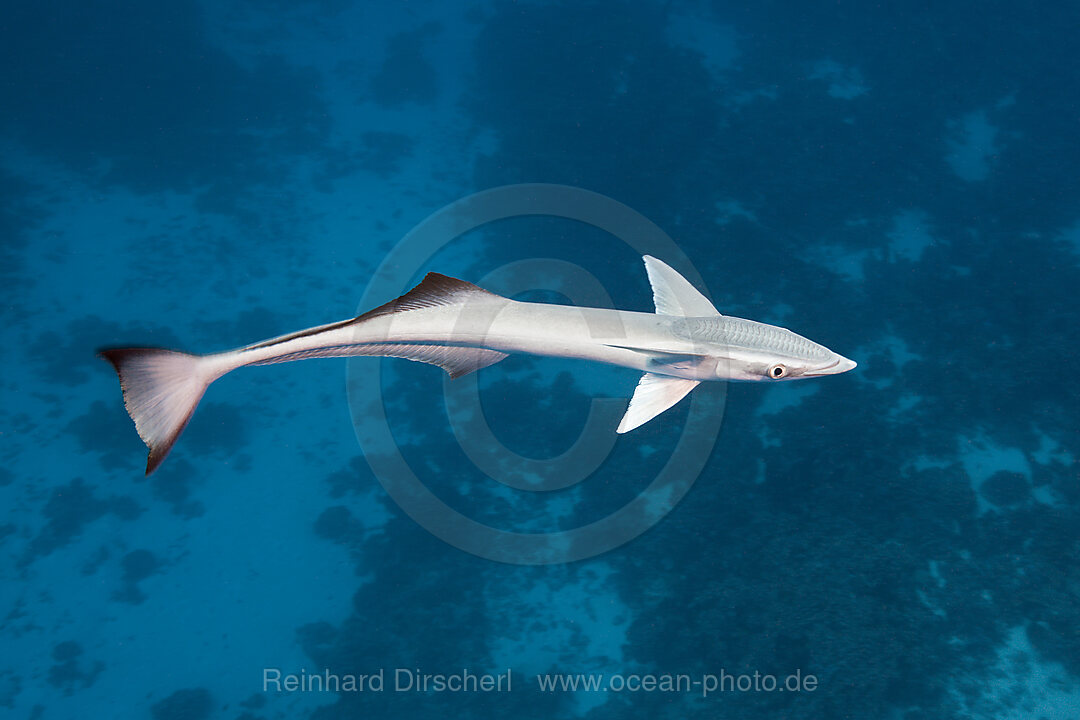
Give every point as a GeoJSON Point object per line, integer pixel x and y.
{"type": "Point", "coordinates": [840, 365]}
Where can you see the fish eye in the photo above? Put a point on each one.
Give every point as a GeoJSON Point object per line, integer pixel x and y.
{"type": "Point", "coordinates": [777, 371]}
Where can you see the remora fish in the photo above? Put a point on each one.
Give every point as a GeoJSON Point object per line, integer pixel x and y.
{"type": "Point", "coordinates": [461, 328]}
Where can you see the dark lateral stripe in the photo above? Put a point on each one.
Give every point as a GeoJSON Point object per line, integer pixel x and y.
{"type": "Point", "coordinates": [302, 333]}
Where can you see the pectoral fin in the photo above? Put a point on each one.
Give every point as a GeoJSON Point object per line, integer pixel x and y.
{"type": "Point", "coordinates": [654, 395]}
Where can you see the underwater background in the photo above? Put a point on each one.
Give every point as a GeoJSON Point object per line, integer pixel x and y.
{"type": "Point", "coordinates": [898, 182]}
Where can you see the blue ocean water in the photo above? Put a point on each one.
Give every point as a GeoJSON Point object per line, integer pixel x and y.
{"type": "Point", "coordinates": [897, 182]}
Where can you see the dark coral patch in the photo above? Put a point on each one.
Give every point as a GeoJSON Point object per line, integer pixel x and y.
{"type": "Point", "coordinates": [186, 704]}
{"type": "Point", "coordinates": [149, 102]}
{"type": "Point", "coordinates": [407, 75]}
{"type": "Point", "coordinates": [137, 565]}
{"type": "Point", "coordinates": [70, 673]}
{"type": "Point", "coordinates": [69, 509]}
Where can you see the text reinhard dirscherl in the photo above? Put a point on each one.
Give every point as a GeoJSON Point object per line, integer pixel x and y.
{"type": "Point", "coordinates": [465, 680]}
{"type": "Point", "coordinates": [401, 680]}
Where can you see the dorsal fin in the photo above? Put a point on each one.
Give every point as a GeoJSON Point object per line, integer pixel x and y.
{"type": "Point", "coordinates": [673, 294]}
{"type": "Point", "coordinates": [434, 290]}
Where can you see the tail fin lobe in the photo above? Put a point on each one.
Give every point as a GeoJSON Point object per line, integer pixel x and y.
{"type": "Point", "coordinates": [161, 391]}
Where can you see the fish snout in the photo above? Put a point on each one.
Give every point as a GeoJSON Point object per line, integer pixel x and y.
{"type": "Point", "coordinates": [844, 365]}
{"type": "Point", "coordinates": [839, 364]}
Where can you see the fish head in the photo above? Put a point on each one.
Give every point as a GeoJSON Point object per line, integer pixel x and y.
{"type": "Point", "coordinates": [757, 366]}
{"type": "Point", "coordinates": [774, 354]}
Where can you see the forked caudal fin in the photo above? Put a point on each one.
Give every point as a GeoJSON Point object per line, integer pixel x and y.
{"type": "Point", "coordinates": [161, 390]}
